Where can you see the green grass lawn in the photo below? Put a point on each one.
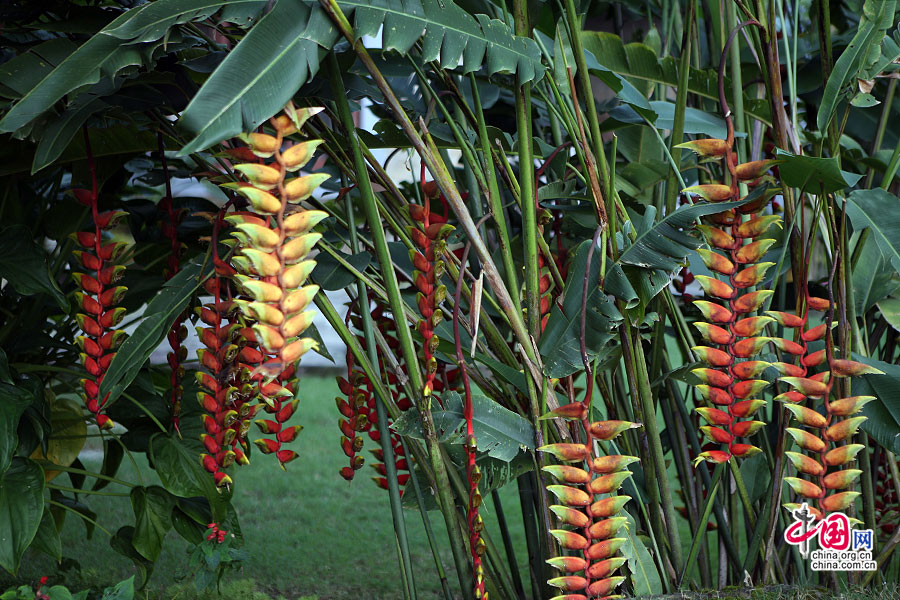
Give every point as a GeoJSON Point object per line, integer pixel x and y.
{"type": "Point", "coordinates": [308, 532]}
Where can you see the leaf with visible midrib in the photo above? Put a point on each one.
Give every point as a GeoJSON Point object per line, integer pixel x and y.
{"type": "Point", "coordinates": [257, 78]}
{"type": "Point", "coordinates": [158, 318]}
{"type": "Point", "coordinates": [500, 432]}
{"type": "Point", "coordinates": [877, 17]}
{"type": "Point", "coordinates": [282, 52]}
{"type": "Point", "coordinates": [21, 507]}
{"type": "Point", "coordinates": [24, 266]}
{"type": "Point", "coordinates": [644, 575]}
{"type": "Point", "coordinates": [879, 211]}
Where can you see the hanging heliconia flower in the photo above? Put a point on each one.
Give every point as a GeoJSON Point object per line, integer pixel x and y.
{"type": "Point", "coordinates": [218, 358]}
{"type": "Point", "coordinates": [98, 315]}
{"type": "Point", "coordinates": [429, 238]}
{"type": "Point", "coordinates": [823, 477]}
{"type": "Point", "coordinates": [272, 267]}
{"type": "Point", "coordinates": [731, 383]}
{"type": "Point", "coordinates": [354, 412]}
{"type": "Point", "coordinates": [589, 504]}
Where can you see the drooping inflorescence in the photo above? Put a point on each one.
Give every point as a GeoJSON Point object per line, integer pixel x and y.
{"type": "Point", "coordinates": [732, 383]}
{"type": "Point", "coordinates": [429, 237]}
{"type": "Point", "coordinates": [274, 239]}
{"type": "Point", "coordinates": [822, 436]}
{"type": "Point", "coordinates": [98, 315]}
{"type": "Point", "coordinates": [590, 505]}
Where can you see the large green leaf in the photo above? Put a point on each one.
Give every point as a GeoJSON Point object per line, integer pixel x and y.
{"type": "Point", "coordinates": [879, 211]}
{"type": "Point", "coordinates": [559, 345]}
{"type": "Point", "coordinates": [113, 48]}
{"type": "Point", "coordinates": [647, 264]}
{"type": "Point", "coordinates": [451, 35]}
{"type": "Point", "coordinates": [883, 413]}
{"type": "Point", "coordinates": [152, 514]}
{"type": "Point", "coordinates": [283, 51]}
{"type": "Point", "coordinates": [873, 279]}
{"type": "Point", "coordinates": [57, 136]}
{"type": "Point", "coordinates": [158, 318]}
{"type": "Point", "coordinates": [24, 265]}
{"type": "Point", "coordinates": [332, 275]}
{"type": "Point", "coordinates": [21, 507]}
{"type": "Point", "coordinates": [812, 173]}
{"type": "Point", "coordinates": [153, 20]}
{"type": "Point", "coordinates": [46, 539]}
{"type": "Point", "coordinates": [641, 62]}
{"type": "Point", "coordinates": [181, 474]}
{"type": "Point", "coordinates": [863, 51]}
{"type": "Point", "coordinates": [500, 432]}
{"type": "Point", "coordinates": [257, 78]}
{"type": "Point", "coordinates": [26, 70]}
{"type": "Point", "coordinates": [695, 120]}
{"type": "Point", "coordinates": [121, 542]}
{"type": "Point", "coordinates": [15, 401]}
{"type": "Point", "coordinates": [81, 67]}
{"type": "Point", "coordinates": [644, 575]}
{"type": "Point", "coordinates": [890, 310]}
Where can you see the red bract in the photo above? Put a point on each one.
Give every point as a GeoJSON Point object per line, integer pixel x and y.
{"type": "Point", "coordinates": [429, 238]}
{"type": "Point", "coordinates": [225, 394]}
{"type": "Point", "coordinates": [98, 295]}
{"type": "Point", "coordinates": [354, 411]}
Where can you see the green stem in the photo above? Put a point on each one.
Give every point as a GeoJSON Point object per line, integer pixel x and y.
{"type": "Point", "coordinates": [587, 92]}
{"type": "Point", "coordinates": [495, 199]}
{"type": "Point", "coordinates": [526, 182]}
{"type": "Point", "coordinates": [652, 428]}
{"type": "Point", "coordinates": [368, 196]}
{"type": "Point", "coordinates": [684, 68]}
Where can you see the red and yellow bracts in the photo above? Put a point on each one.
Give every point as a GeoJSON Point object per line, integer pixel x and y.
{"type": "Point", "coordinates": [731, 384]}
{"type": "Point", "coordinates": [589, 504]}
{"type": "Point", "coordinates": [273, 242]}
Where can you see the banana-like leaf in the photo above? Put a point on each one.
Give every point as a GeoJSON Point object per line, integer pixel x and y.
{"type": "Point", "coordinates": [646, 266]}
{"type": "Point", "coordinates": [559, 345]}
{"type": "Point", "coordinates": [640, 62]}
{"type": "Point", "coordinates": [876, 209]}
{"type": "Point", "coordinates": [883, 413]}
{"type": "Point", "coordinates": [874, 283]}
{"type": "Point", "coordinates": [501, 433]}
{"type": "Point", "coordinates": [863, 51]}
{"type": "Point", "coordinates": [644, 574]}
{"type": "Point", "coordinates": [157, 320]}
{"type": "Point", "coordinates": [278, 55]}
{"type": "Point", "coordinates": [113, 48]}
{"type": "Point", "coordinates": [283, 51]}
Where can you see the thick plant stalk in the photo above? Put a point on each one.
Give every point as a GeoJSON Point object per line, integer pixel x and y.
{"type": "Point", "coordinates": [98, 295]}
{"type": "Point", "coordinates": [593, 507]}
{"type": "Point", "coordinates": [178, 333]}
{"type": "Point", "coordinates": [274, 240]}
